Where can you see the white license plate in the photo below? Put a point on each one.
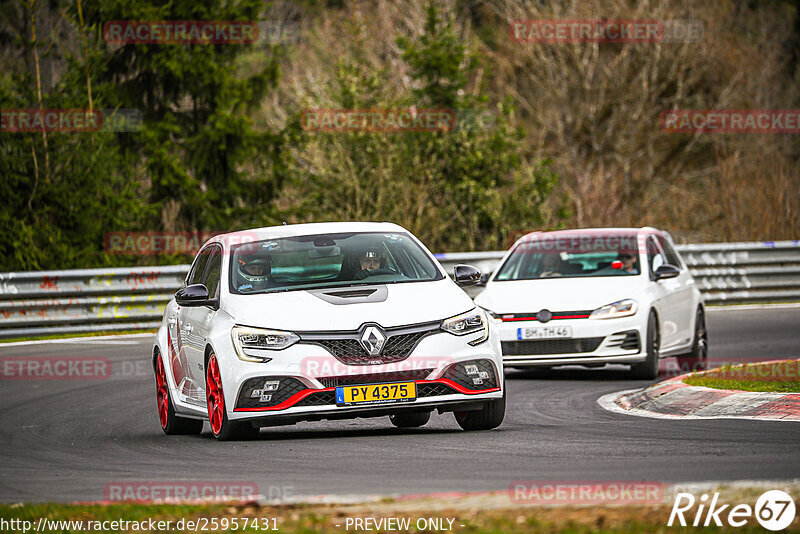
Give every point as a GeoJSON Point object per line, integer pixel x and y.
{"type": "Point", "coordinates": [544, 332]}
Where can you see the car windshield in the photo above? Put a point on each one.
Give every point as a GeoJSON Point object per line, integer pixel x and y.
{"type": "Point", "coordinates": [572, 256]}
{"type": "Point", "coordinates": [328, 260]}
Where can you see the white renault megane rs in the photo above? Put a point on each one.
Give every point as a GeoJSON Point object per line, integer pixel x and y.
{"type": "Point", "coordinates": [596, 296]}
{"type": "Point", "coordinates": [324, 321]}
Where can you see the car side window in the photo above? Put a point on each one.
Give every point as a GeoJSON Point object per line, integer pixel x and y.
{"type": "Point", "coordinates": [669, 252]}
{"type": "Point", "coordinates": [213, 273]}
{"type": "Point", "coordinates": [199, 267]}
{"type": "Point", "coordinates": [655, 258]}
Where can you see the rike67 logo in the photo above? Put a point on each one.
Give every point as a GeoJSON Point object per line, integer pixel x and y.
{"type": "Point", "coordinates": [774, 510]}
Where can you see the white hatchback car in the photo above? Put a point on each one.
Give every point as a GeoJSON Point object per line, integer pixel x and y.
{"type": "Point", "coordinates": [596, 296]}
{"type": "Point", "coordinates": [324, 321]}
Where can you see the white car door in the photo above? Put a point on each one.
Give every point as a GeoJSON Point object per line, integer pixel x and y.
{"type": "Point", "coordinates": [191, 320]}
{"type": "Point", "coordinates": [201, 319]}
{"type": "Point", "coordinates": [683, 293]}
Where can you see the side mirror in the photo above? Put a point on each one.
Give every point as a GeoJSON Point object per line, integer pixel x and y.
{"type": "Point", "coordinates": [484, 278]}
{"type": "Point", "coordinates": [466, 275]}
{"type": "Point", "coordinates": [193, 295]}
{"type": "Point", "coordinates": [666, 270]}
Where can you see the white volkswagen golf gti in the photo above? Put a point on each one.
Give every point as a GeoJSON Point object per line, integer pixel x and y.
{"type": "Point", "coordinates": [596, 296]}
{"type": "Point", "coordinates": [324, 321]}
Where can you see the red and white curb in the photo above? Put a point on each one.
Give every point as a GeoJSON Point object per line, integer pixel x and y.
{"type": "Point", "coordinates": [673, 399]}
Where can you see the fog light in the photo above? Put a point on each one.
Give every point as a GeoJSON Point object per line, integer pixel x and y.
{"type": "Point", "coordinates": [483, 374]}
{"type": "Point", "coordinates": [477, 381]}
{"type": "Point", "coordinates": [271, 385]}
{"type": "Point", "coordinates": [255, 393]}
{"type": "Point", "coordinates": [471, 369]}
{"type": "Point", "coordinates": [265, 398]}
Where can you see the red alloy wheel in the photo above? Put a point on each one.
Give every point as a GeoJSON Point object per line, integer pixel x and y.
{"type": "Point", "coordinates": [163, 394]}
{"type": "Point", "coordinates": [214, 395]}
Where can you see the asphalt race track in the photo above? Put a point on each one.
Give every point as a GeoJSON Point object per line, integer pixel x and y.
{"type": "Point", "coordinates": [66, 440]}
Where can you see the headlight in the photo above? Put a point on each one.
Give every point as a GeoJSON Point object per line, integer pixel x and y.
{"type": "Point", "coordinates": [471, 322]}
{"type": "Point", "coordinates": [258, 344]}
{"type": "Point", "coordinates": [622, 308]}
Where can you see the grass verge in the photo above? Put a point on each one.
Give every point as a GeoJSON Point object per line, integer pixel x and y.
{"type": "Point", "coordinates": [778, 377]}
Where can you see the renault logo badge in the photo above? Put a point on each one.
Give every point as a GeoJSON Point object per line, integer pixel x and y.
{"type": "Point", "coordinates": [373, 340]}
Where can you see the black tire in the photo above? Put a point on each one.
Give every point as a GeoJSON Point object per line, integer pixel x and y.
{"type": "Point", "coordinates": [697, 359]}
{"type": "Point", "coordinates": [236, 431]}
{"type": "Point", "coordinates": [489, 417]}
{"type": "Point", "coordinates": [171, 424]}
{"type": "Point", "coordinates": [410, 420]}
{"type": "Point", "coordinates": [223, 428]}
{"type": "Point", "coordinates": [648, 369]}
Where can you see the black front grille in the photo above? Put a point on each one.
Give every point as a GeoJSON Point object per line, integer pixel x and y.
{"type": "Point", "coordinates": [531, 316]}
{"type": "Point", "coordinates": [319, 398]}
{"type": "Point", "coordinates": [403, 344]}
{"type": "Point", "coordinates": [287, 388]}
{"type": "Point", "coordinates": [424, 389]}
{"type": "Point", "coordinates": [433, 390]}
{"type": "Point", "coordinates": [349, 351]}
{"type": "Point", "coordinates": [375, 378]}
{"type": "Point", "coordinates": [342, 348]}
{"type": "Point", "coordinates": [550, 346]}
{"type": "Point", "coordinates": [472, 374]}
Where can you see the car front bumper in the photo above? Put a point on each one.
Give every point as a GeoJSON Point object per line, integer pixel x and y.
{"type": "Point", "coordinates": [593, 342]}
{"type": "Point", "coordinates": [308, 376]}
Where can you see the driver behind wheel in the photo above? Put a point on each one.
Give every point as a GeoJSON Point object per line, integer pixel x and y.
{"type": "Point", "coordinates": [369, 261]}
{"type": "Point", "coordinates": [253, 273]}
{"type": "Point", "coordinates": [628, 259]}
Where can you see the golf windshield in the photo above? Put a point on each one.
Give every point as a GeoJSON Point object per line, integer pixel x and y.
{"type": "Point", "coordinates": [572, 256]}
{"type": "Point", "coordinates": [329, 260]}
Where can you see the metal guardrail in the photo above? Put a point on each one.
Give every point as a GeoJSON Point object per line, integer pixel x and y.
{"type": "Point", "coordinates": [86, 300]}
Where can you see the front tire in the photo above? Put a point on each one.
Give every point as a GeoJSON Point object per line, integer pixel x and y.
{"type": "Point", "coordinates": [223, 428]}
{"type": "Point", "coordinates": [648, 369]}
{"type": "Point", "coordinates": [171, 424]}
{"type": "Point", "coordinates": [697, 359]}
{"type": "Point", "coordinates": [410, 420]}
{"type": "Point", "coordinates": [487, 418]}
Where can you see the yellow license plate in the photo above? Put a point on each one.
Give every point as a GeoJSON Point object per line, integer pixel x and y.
{"type": "Point", "coordinates": [376, 393]}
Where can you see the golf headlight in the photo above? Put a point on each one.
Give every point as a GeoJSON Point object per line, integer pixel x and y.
{"type": "Point", "coordinates": [622, 308]}
{"type": "Point", "coordinates": [471, 322]}
{"type": "Point", "coordinates": [258, 344]}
